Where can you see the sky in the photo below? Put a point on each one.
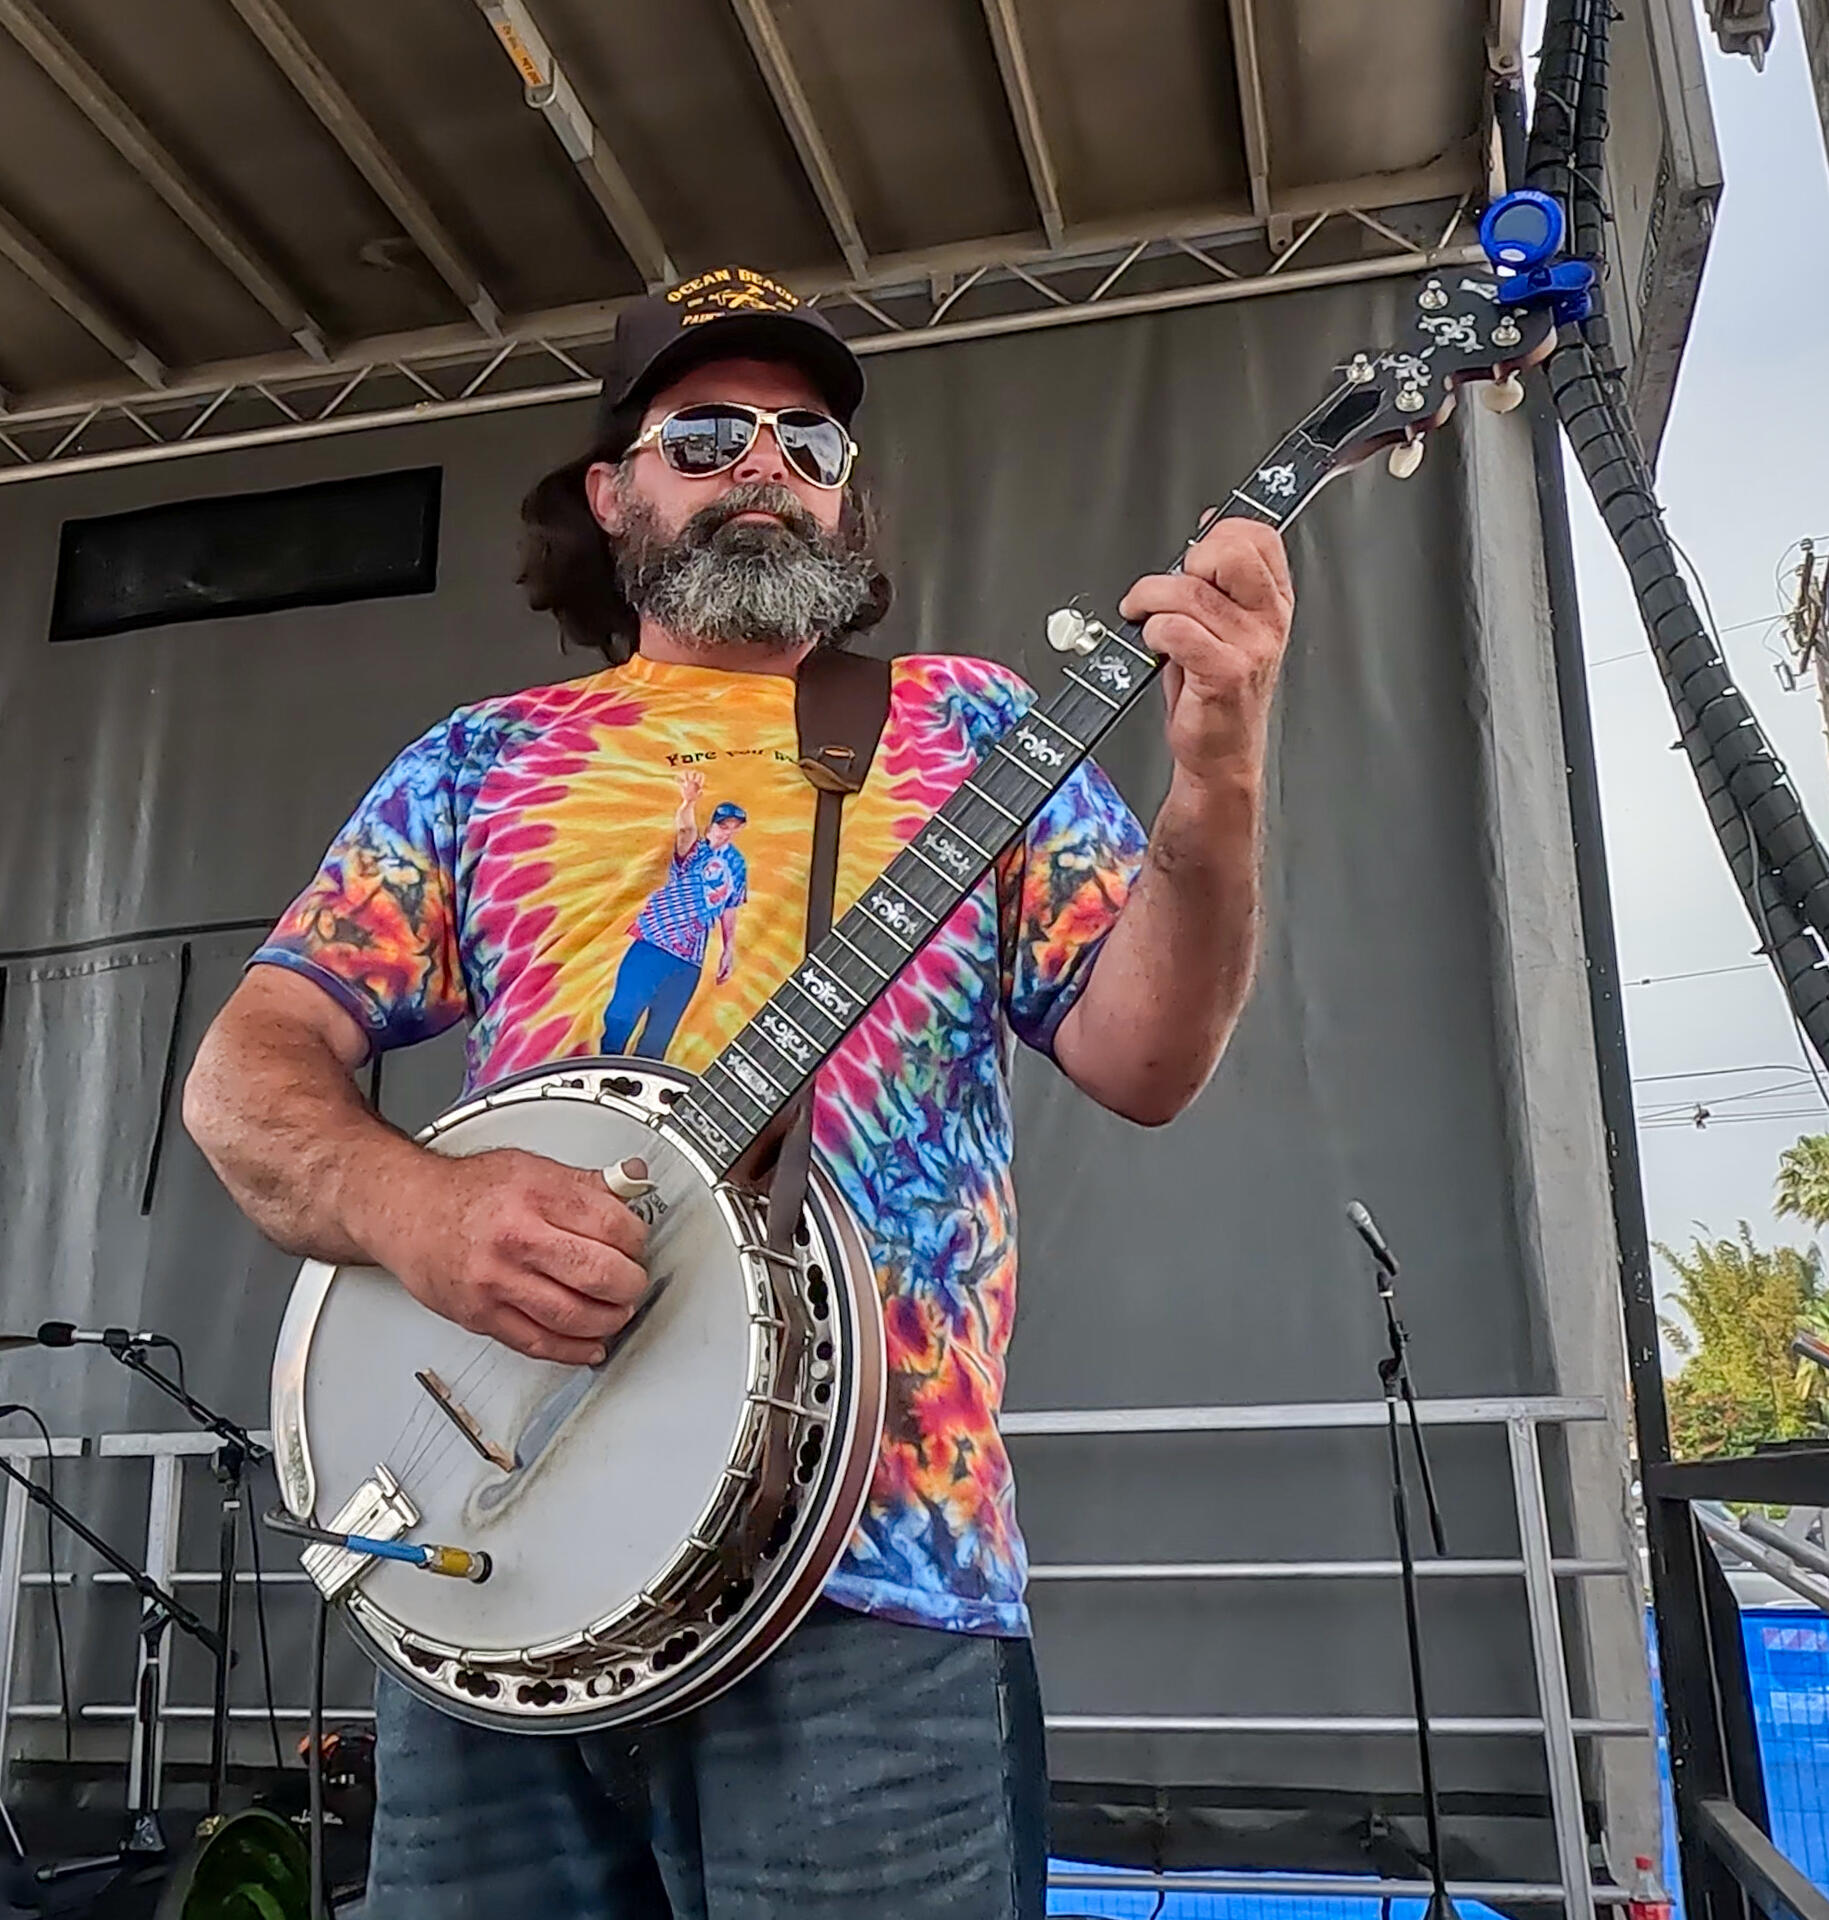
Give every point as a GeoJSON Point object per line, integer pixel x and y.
{"type": "Point", "coordinates": [1744, 475]}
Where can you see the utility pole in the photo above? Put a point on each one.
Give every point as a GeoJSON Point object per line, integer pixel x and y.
{"type": "Point", "coordinates": [1804, 623]}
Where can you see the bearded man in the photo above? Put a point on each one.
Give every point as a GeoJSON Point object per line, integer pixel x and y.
{"type": "Point", "coordinates": [888, 1759]}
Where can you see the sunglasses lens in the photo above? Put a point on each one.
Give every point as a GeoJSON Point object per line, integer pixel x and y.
{"type": "Point", "coordinates": [818, 447]}
{"type": "Point", "coordinates": [705, 440]}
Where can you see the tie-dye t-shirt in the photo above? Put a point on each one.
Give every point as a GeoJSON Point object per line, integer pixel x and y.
{"type": "Point", "coordinates": [499, 872]}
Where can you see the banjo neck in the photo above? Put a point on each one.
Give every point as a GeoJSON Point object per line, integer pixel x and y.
{"type": "Point", "coordinates": [1464, 329]}
{"type": "Point", "coordinates": [744, 1091]}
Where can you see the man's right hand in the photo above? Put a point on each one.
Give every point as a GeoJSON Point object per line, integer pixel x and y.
{"type": "Point", "coordinates": [539, 1256]}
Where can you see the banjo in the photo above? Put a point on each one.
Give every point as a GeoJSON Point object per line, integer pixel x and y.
{"type": "Point", "coordinates": [622, 1542]}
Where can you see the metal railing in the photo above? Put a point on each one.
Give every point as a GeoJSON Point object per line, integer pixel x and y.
{"type": "Point", "coordinates": [1555, 1725]}
{"type": "Point", "coordinates": [1731, 1867]}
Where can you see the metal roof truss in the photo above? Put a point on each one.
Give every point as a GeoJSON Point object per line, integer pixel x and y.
{"type": "Point", "coordinates": [446, 372]}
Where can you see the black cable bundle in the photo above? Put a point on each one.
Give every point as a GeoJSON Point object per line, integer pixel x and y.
{"type": "Point", "coordinates": [1775, 857]}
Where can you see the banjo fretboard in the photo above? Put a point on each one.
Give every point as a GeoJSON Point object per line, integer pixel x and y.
{"type": "Point", "coordinates": [744, 1090]}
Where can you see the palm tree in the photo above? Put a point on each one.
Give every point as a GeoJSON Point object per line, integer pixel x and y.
{"type": "Point", "coordinates": [1741, 1304]}
{"type": "Point", "coordinates": [1803, 1181]}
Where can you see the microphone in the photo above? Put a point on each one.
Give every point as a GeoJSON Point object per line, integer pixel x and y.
{"type": "Point", "coordinates": [1367, 1229]}
{"type": "Point", "coordinates": [61, 1333]}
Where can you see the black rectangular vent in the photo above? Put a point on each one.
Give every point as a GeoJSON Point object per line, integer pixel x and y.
{"type": "Point", "coordinates": [362, 539]}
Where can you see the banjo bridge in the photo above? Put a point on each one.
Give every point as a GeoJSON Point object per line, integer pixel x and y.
{"type": "Point", "coordinates": [464, 1421]}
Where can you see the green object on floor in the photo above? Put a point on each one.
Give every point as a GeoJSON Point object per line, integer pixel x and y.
{"type": "Point", "coordinates": [253, 1866]}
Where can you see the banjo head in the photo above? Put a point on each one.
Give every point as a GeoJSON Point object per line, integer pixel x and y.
{"type": "Point", "coordinates": [648, 1522]}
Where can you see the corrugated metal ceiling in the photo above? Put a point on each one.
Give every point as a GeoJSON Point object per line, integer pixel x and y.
{"type": "Point", "coordinates": [194, 188]}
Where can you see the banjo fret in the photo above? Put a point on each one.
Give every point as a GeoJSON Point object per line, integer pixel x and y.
{"type": "Point", "coordinates": [838, 934]}
{"type": "Point", "coordinates": [1104, 699]}
{"type": "Point", "coordinates": [690, 1117]}
{"type": "Point", "coordinates": [720, 1076]}
{"type": "Point", "coordinates": [770, 1087]}
{"type": "Point", "coordinates": [1022, 766]}
{"type": "Point", "coordinates": [896, 913]}
{"type": "Point", "coordinates": [913, 852]}
{"type": "Point", "coordinates": [941, 844]}
{"type": "Point", "coordinates": [760, 1048]}
{"type": "Point", "coordinates": [976, 789]}
{"type": "Point", "coordinates": [705, 1086]}
{"type": "Point", "coordinates": [833, 1001]}
{"type": "Point", "coordinates": [787, 1034]}
{"type": "Point", "coordinates": [923, 886]}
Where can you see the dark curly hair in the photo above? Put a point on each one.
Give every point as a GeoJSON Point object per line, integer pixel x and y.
{"type": "Point", "coordinates": [568, 562]}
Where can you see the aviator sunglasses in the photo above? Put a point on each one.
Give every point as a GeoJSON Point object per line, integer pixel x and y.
{"type": "Point", "coordinates": [714, 435]}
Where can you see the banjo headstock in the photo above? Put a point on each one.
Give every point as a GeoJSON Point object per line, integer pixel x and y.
{"type": "Point", "coordinates": [1461, 333]}
{"type": "Point", "coordinates": [1472, 327]}
{"type": "Point", "coordinates": [1466, 328]}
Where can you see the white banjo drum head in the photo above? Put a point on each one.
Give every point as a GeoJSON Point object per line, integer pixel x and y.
{"type": "Point", "coordinates": [582, 1485]}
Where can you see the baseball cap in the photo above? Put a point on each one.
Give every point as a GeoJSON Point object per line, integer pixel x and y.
{"type": "Point", "coordinates": [728, 313]}
{"type": "Point", "coordinates": [727, 810]}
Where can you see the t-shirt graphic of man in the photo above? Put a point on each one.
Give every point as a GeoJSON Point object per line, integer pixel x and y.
{"type": "Point", "coordinates": [707, 882]}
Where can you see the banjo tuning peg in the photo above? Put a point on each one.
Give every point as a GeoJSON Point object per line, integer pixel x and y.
{"type": "Point", "coordinates": [1069, 631]}
{"type": "Point", "coordinates": [1502, 395]}
{"type": "Point", "coordinates": [1405, 458]}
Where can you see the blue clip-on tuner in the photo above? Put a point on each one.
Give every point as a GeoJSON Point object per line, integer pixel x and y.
{"type": "Point", "coordinates": [1522, 233]}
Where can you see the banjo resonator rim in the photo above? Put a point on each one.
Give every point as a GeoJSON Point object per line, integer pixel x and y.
{"type": "Point", "coordinates": [779, 1516]}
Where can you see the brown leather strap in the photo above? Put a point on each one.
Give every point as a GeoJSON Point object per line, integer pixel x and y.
{"type": "Point", "coordinates": [841, 701]}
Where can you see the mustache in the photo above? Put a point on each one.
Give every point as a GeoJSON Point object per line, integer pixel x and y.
{"type": "Point", "coordinates": [753, 496]}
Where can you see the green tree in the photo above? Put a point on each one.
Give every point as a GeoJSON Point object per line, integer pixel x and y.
{"type": "Point", "coordinates": [1803, 1181]}
{"type": "Point", "coordinates": [1739, 1384]}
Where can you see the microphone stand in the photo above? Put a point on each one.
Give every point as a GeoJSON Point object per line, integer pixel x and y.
{"type": "Point", "coordinates": [1395, 1384]}
{"type": "Point", "coordinates": [160, 1611]}
{"type": "Point", "coordinates": [238, 1452]}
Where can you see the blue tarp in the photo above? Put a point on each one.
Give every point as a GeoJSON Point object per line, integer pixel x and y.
{"type": "Point", "coordinates": [1787, 1657]}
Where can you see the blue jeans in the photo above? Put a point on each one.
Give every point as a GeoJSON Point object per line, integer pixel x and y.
{"type": "Point", "coordinates": [655, 982]}
{"type": "Point", "coordinates": [866, 1770]}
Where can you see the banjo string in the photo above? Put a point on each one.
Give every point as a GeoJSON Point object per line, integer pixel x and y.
{"type": "Point", "coordinates": [421, 1415]}
{"type": "Point", "coordinates": [474, 1379]}
{"type": "Point", "coordinates": [424, 1423]}
{"type": "Point", "coordinates": [429, 1462]}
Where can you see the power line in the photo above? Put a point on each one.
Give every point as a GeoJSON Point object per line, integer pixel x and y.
{"type": "Point", "coordinates": [1687, 1110]}
{"type": "Point", "coordinates": [1717, 1073]}
{"type": "Point", "coordinates": [1710, 1102]}
{"type": "Point", "coordinates": [1667, 1123]}
{"type": "Point", "coordinates": [1785, 1088]}
{"type": "Point", "coordinates": [1644, 653]}
{"type": "Point", "coordinates": [1701, 973]}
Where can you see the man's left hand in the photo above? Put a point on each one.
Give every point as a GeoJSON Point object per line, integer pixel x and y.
{"type": "Point", "coordinates": [1221, 626]}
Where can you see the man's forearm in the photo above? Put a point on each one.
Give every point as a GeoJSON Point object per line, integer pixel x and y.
{"type": "Point", "coordinates": [1175, 970]}
{"type": "Point", "coordinates": [278, 1116]}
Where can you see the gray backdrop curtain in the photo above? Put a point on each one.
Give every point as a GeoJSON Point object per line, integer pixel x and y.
{"type": "Point", "coordinates": [1419, 1037]}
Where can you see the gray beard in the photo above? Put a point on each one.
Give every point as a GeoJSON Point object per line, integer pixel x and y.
{"type": "Point", "coordinates": [713, 584]}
